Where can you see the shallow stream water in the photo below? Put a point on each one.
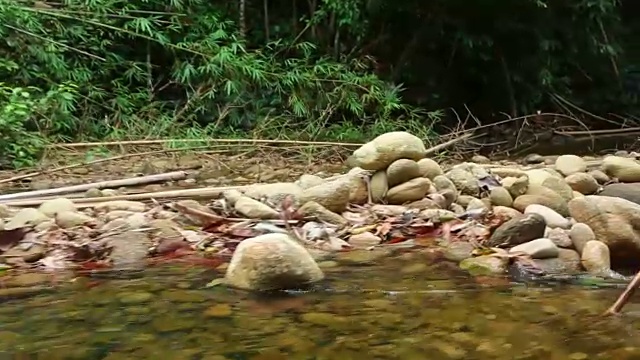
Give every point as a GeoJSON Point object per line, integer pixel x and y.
{"type": "Point", "coordinates": [398, 309]}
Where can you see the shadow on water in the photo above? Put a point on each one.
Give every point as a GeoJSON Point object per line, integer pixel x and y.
{"type": "Point", "coordinates": [396, 311]}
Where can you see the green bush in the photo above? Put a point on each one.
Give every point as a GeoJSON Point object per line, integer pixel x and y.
{"type": "Point", "coordinates": [152, 69]}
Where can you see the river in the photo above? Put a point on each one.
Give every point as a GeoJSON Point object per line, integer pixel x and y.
{"type": "Point", "coordinates": [401, 308]}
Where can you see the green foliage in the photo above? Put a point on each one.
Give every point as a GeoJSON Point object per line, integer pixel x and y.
{"type": "Point", "coordinates": [22, 112]}
{"type": "Point", "coordinates": [152, 69]}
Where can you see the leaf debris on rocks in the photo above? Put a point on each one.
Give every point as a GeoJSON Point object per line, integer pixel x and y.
{"type": "Point", "coordinates": [426, 206]}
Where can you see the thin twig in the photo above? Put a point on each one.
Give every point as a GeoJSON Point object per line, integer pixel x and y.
{"type": "Point", "coordinates": [624, 297]}
{"type": "Point", "coordinates": [133, 181]}
{"type": "Point", "coordinates": [446, 144]}
{"type": "Point", "coordinates": [208, 192]}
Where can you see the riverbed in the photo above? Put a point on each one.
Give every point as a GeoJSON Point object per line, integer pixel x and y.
{"type": "Point", "coordinates": [402, 308]}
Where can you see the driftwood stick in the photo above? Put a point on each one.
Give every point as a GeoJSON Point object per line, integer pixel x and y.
{"type": "Point", "coordinates": [446, 144]}
{"type": "Point", "coordinates": [210, 192]}
{"type": "Point", "coordinates": [176, 175]}
{"type": "Point", "coordinates": [624, 297]}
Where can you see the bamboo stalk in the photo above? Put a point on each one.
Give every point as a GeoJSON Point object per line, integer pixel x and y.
{"type": "Point", "coordinates": [176, 175]}
{"type": "Point", "coordinates": [229, 141]}
{"type": "Point", "coordinates": [209, 192]}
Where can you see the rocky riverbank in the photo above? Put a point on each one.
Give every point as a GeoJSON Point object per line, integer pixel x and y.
{"type": "Point", "coordinates": [568, 215]}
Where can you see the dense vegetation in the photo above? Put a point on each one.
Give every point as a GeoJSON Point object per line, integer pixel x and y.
{"type": "Point", "coordinates": [342, 69]}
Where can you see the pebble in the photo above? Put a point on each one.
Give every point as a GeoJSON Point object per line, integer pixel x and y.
{"type": "Point", "coordinates": [570, 164]}
{"type": "Point", "coordinates": [578, 356]}
{"type": "Point", "coordinates": [135, 298]}
{"type": "Point", "coordinates": [218, 310]}
{"type": "Point", "coordinates": [538, 249]}
{"type": "Point", "coordinates": [551, 218]}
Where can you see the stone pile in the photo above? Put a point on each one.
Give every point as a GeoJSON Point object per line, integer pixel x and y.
{"type": "Point", "coordinates": [554, 214]}
{"type": "Point", "coordinates": [566, 216]}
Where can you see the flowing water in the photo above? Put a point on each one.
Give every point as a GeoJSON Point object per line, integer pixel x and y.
{"type": "Point", "coordinates": [401, 308]}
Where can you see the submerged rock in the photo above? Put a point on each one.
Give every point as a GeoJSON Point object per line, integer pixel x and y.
{"type": "Point", "coordinates": [272, 262]}
{"type": "Point", "coordinates": [567, 263]}
{"type": "Point", "coordinates": [485, 265]}
{"type": "Point", "coordinates": [129, 249]}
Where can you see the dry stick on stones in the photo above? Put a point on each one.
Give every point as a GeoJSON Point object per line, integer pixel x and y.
{"type": "Point", "coordinates": [205, 217]}
{"type": "Point", "coordinates": [138, 180]}
{"type": "Point", "coordinates": [624, 297]}
{"type": "Point", "coordinates": [367, 181]}
{"type": "Point", "coordinates": [208, 192]}
{"type": "Point", "coordinates": [446, 144]}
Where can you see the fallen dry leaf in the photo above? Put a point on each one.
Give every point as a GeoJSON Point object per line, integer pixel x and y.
{"type": "Point", "coordinates": [383, 229]}
{"type": "Point", "coordinates": [491, 281]}
{"type": "Point", "coordinates": [169, 246]}
{"type": "Point", "coordinates": [364, 240]}
{"type": "Point", "coordinates": [244, 233]}
{"type": "Point", "coordinates": [333, 244]}
{"type": "Point", "coordinates": [206, 218]}
{"type": "Point", "coordinates": [362, 229]}
{"type": "Point", "coordinates": [355, 218]}
{"type": "Point", "coordinates": [426, 241]}
{"type": "Point", "coordinates": [56, 260]}
{"type": "Point", "coordinates": [9, 238]}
